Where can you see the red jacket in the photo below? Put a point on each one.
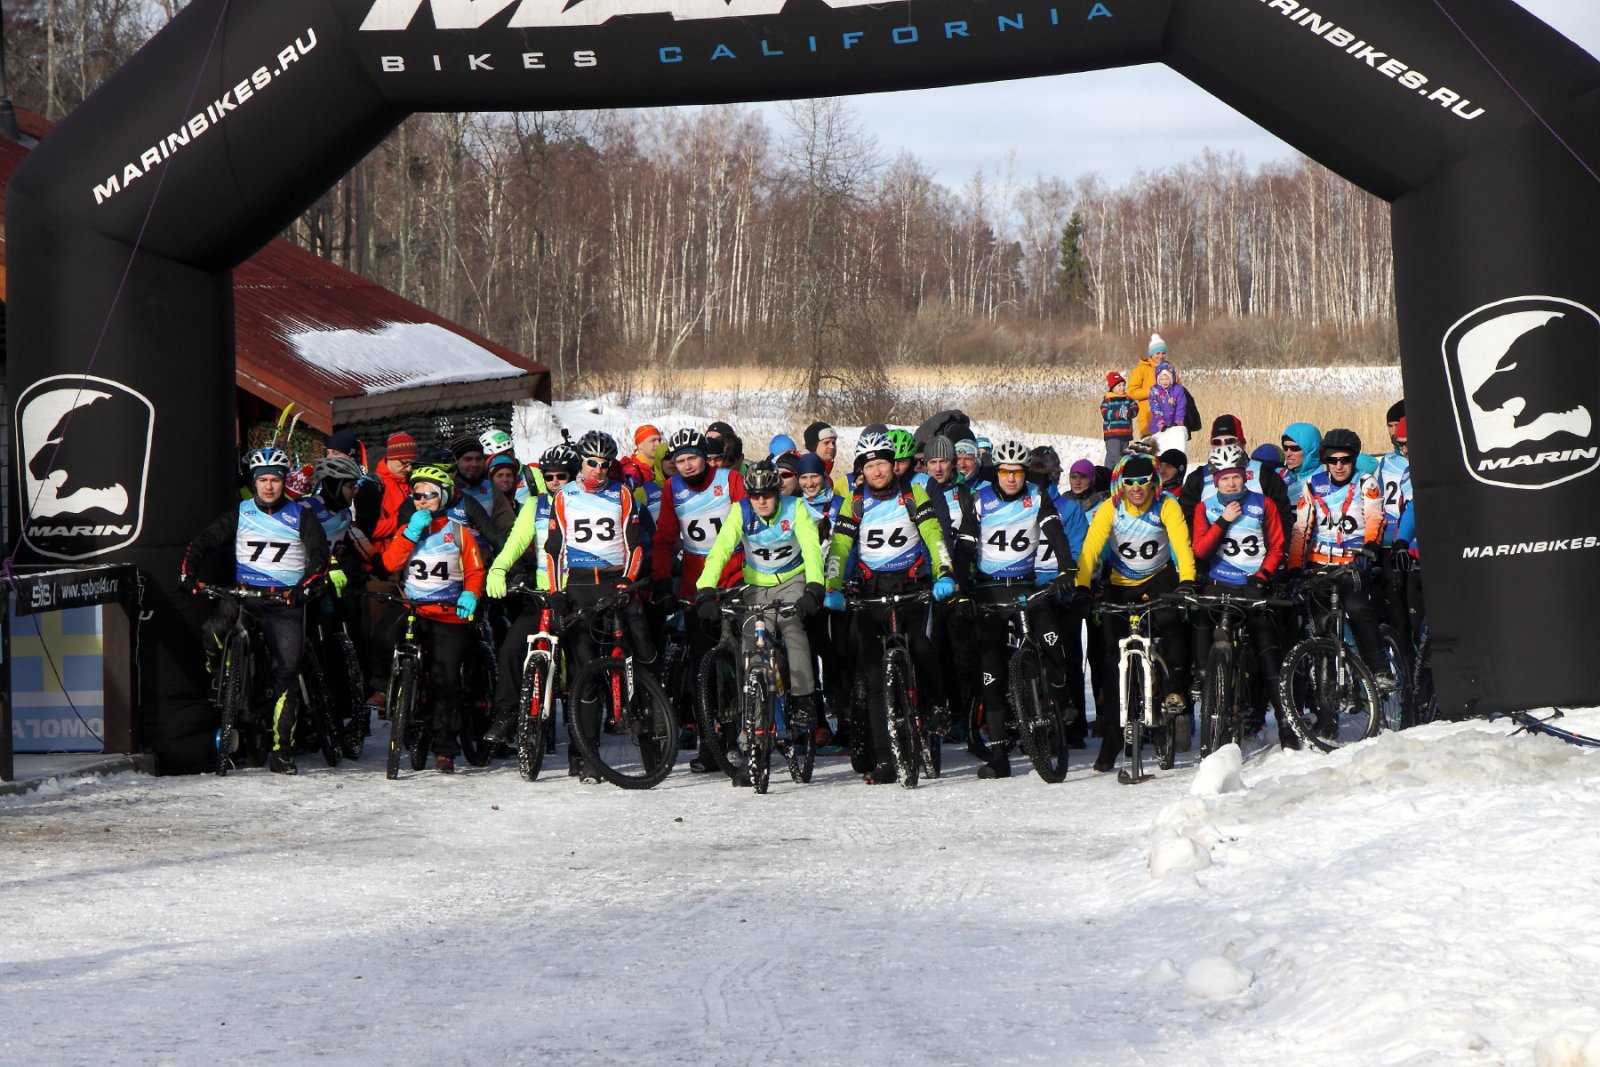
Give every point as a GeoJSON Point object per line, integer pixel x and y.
{"type": "Point", "coordinates": [665, 546]}
{"type": "Point", "coordinates": [1208, 538]}
{"type": "Point", "coordinates": [396, 491]}
{"type": "Point", "coordinates": [398, 551]}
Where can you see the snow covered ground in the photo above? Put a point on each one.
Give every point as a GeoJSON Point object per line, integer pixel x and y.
{"type": "Point", "coordinates": [1423, 898]}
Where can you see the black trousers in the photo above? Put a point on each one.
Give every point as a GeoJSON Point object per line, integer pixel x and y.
{"type": "Point", "coordinates": [443, 646]}
{"type": "Point", "coordinates": [1171, 633]}
{"type": "Point", "coordinates": [283, 628]}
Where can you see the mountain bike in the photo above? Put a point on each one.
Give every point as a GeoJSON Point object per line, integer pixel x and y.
{"type": "Point", "coordinates": [1329, 696]}
{"type": "Point", "coordinates": [479, 669]}
{"type": "Point", "coordinates": [1225, 698]}
{"type": "Point", "coordinates": [1424, 700]}
{"type": "Point", "coordinates": [1041, 725]}
{"type": "Point", "coordinates": [1142, 679]}
{"type": "Point", "coordinates": [764, 691]}
{"type": "Point", "coordinates": [907, 749]}
{"type": "Point", "coordinates": [536, 720]}
{"type": "Point", "coordinates": [717, 700]}
{"type": "Point", "coordinates": [408, 733]}
{"type": "Point", "coordinates": [235, 684]}
{"type": "Point", "coordinates": [341, 667]}
{"type": "Point", "coordinates": [636, 737]}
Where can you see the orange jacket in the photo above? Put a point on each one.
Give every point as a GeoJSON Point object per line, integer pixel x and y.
{"type": "Point", "coordinates": [1140, 381]}
{"type": "Point", "coordinates": [398, 552]}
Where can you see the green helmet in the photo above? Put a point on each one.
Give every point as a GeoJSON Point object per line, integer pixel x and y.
{"type": "Point", "coordinates": [437, 475]}
{"type": "Point", "coordinates": [904, 443]}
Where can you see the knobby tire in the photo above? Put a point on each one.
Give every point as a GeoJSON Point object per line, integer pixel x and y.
{"type": "Point", "coordinates": [1043, 734]}
{"type": "Point", "coordinates": [717, 710]}
{"type": "Point", "coordinates": [531, 726]}
{"type": "Point", "coordinates": [902, 719]}
{"type": "Point", "coordinates": [1324, 712]}
{"type": "Point", "coordinates": [402, 710]}
{"type": "Point", "coordinates": [647, 729]}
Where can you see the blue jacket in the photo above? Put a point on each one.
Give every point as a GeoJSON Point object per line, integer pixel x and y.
{"type": "Point", "coordinates": [1309, 438]}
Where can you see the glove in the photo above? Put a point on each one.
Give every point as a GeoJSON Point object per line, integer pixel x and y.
{"type": "Point", "coordinates": [189, 584]}
{"type": "Point", "coordinates": [494, 587]}
{"type": "Point", "coordinates": [834, 601]}
{"type": "Point", "coordinates": [810, 601]}
{"type": "Point", "coordinates": [338, 579]}
{"type": "Point", "coordinates": [705, 605]}
{"type": "Point", "coordinates": [1061, 586]}
{"type": "Point", "coordinates": [560, 605]}
{"type": "Point", "coordinates": [1255, 584]}
{"type": "Point", "coordinates": [1082, 597]}
{"type": "Point", "coordinates": [419, 522]}
{"type": "Point", "coordinates": [1282, 584]}
{"type": "Point", "coordinates": [1184, 589]}
{"type": "Point", "coordinates": [944, 588]}
{"type": "Point", "coordinates": [466, 604]}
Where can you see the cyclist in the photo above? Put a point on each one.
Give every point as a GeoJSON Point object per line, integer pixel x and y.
{"type": "Point", "coordinates": [276, 544]}
{"type": "Point", "coordinates": [1200, 486]}
{"type": "Point", "coordinates": [1002, 525]}
{"type": "Point", "coordinates": [368, 503]}
{"type": "Point", "coordinates": [788, 464]}
{"type": "Point", "coordinates": [595, 546]}
{"type": "Point", "coordinates": [1403, 555]}
{"type": "Point", "coordinates": [826, 631]}
{"type": "Point", "coordinates": [1238, 536]}
{"type": "Point", "coordinates": [472, 481]}
{"type": "Point", "coordinates": [888, 541]}
{"type": "Point", "coordinates": [529, 481]}
{"type": "Point", "coordinates": [1141, 530]}
{"type": "Point", "coordinates": [1044, 470]}
{"type": "Point", "coordinates": [1302, 447]}
{"type": "Point", "coordinates": [503, 473]}
{"type": "Point", "coordinates": [1080, 486]}
{"type": "Point", "coordinates": [904, 444]}
{"type": "Point", "coordinates": [335, 480]}
{"type": "Point", "coordinates": [968, 463]}
{"type": "Point", "coordinates": [1340, 524]}
{"type": "Point", "coordinates": [782, 565]}
{"type": "Point", "coordinates": [1393, 475]}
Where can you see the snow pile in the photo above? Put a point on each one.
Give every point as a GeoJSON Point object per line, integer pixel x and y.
{"type": "Point", "coordinates": [1219, 772]}
{"type": "Point", "coordinates": [399, 356]}
{"type": "Point", "coordinates": [1216, 978]}
{"type": "Point", "coordinates": [1568, 1048]}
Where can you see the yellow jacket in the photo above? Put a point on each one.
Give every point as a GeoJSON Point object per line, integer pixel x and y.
{"type": "Point", "coordinates": [1140, 380]}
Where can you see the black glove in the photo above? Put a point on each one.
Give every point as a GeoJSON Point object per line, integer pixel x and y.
{"type": "Point", "coordinates": [1082, 597]}
{"type": "Point", "coordinates": [1184, 588]}
{"type": "Point", "coordinates": [1255, 586]}
{"type": "Point", "coordinates": [660, 589]}
{"type": "Point", "coordinates": [1282, 584]}
{"type": "Point", "coordinates": [1061, 587]}
{"type": "Point", "coordinates": [705, 605]}
{"type": "Point", "coordinates": [559, 603]}
{"type": "Point", "coordinates": [810, 601]}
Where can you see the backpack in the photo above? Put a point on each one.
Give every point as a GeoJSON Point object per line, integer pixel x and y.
{"type": "Point", "coordinates": [1191, 416]}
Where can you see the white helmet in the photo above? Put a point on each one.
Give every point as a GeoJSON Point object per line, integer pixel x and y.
{"type": "Point", "coordinates": [871, 446]}
{"type": "Point", "coordinates": [1010, 454]}
{"type": "Point", "coordinates": [495, 442]}
{"type": "Point", "coordinates": [1227, 457]}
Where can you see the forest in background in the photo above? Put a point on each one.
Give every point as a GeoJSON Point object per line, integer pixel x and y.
{"type": "Point", "coordinates": [602, 242]}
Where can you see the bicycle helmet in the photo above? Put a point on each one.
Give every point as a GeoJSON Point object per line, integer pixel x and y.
{"type": "Point", "coordinates": [903, 442]}
{"type": "Point", "coordinates": [432, 472]}
{"type": "Point", "coordinates": [871, 446]}
{"type": "Point", "coordinates": [1340, 439]}
{"type": "Point", "coordinates": [336, 469]}
{"type": "Point", "coordinates": [1227, 458]}
{"type": "Point", "coordinates": [561, 457]}
{"type": "Point", "coordinates": [267, 461]}
{"type": "Point", "coordinates": [495, 442]}
{"type": "Point", "coordinates": [687, 439]}
{"type": "Point", "coordinates": [1010, 454]}
{"type": "Point", "coordinates": [762, 477]}
{"type": "Point", "coordinates": [597, 444]}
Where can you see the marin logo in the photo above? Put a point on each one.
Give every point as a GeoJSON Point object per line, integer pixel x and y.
{"type": "Point", "coordinates": [83, 444]}
{"type": "Point", "coordinates": [1524, 379]}
{"type": "Point", "coordinates": [533, 14]}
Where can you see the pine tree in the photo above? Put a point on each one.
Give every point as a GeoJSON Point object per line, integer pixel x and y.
{"type": "Point", "coordinates": [1072, 275]}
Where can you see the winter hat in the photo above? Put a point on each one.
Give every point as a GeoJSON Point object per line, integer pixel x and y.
{"type": "Point", "coordinates": [1173, 457]}
{"type": "Point", "coordinates": [1136, 466]}
{"type": "Point", "coordinates": [467, 442]}
{"type": "Point", "coordinates": [401, 446]}
{"type": "Point", "coordinates": [876, 427]}
{"type": "Point", "coordinates": [780, 444]}
{"type": "Point", "coordinates": [817, 432]}
{"type": "Point", "coordinates": [1157, 345]}
{"type": "Point", "coordinates": [941, 447]}
{"type": "Point", "coordinates": [1400, 430]}
{"type": "Point", "coordinates": [716, 447]}
{"type": "Point", "coordinates": [1269, 454]}
{"type": "Point", "coordinates": [966, 447]}
{"type": "Point", "coordinates": [503, 460]}
{"type": "Point", "coordinates": [1166, 368]}
{"type": "Point", "coordinates": [1113, 380]}
{"type": "Point", "coordinates": [787, 461]}
{"type": "Point", "coordinates": [1227, 426]}
{"type": "Point", "coordinates": [810, 463]}
{"type": "Point", "coordinates": [345, 441]}
{"type": "Point", "coordinates": [1083, 467]}
{"type": "Point", "coordinates": [720, 427]}
{"type": "Point", "coordinates": [1397, 411]}
{"type": "Point", "coordinates": [643, 432]}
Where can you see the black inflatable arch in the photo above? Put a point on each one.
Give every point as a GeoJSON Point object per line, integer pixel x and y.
{"type": "Point", "coordinates": [240, 114]}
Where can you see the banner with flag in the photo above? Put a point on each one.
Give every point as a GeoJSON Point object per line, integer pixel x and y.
{"type": "Point", "coordinates": [57, 681]}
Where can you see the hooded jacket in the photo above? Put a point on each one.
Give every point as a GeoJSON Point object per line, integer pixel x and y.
{"type": "Point", "coordinates": [1168, 406]}
{"type": "Point", "coordinates": [1140, 381]}
{"type": "Point", "coordinates": [1309, 438]}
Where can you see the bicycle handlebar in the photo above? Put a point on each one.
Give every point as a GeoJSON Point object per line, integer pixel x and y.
{"type": "Point", "coordinates": [282, 594]}
{"type": "Point", "coordinates": [1016, 604]}
{"type": "Point", "coordinates": [921, 596]}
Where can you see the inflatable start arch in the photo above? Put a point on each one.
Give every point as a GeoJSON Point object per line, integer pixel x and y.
{"type": "Point", "coordinates": [125, 223]}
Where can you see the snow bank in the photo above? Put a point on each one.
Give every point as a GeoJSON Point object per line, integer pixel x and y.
{"type": "Point", "coordinates": [1218, 772]}
{"type": "Point", "coordinates": [1568, 1048]}
{"type": "Point", "coordinates": [1216, 978]}
{"type": "Point", "coordinates": [400, 355]}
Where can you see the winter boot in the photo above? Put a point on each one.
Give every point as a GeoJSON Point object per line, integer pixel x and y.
{"type": "Point", "coordinates": [282, 762]}
{"type": "Point", "coordinates": [499, 731]}
{"type": "Point", "coordinates": [999, 765]}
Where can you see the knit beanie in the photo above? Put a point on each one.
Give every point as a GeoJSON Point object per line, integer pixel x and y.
{"type": "Point", "coordinates": [345, 441]}
{"type": "Point", "coordinates": [1227, 426]}
{"type": "Point", "coordinates": [644, 432]}
{"type": "Point", "coordinates": [810, 463]}
{"type": "Point", "coordinates": [1083, 467]}
{"type": "Point", "coordinates": [817, 432]}
{"type": "Point", "coordinates": [401, 446]}
{"type": "Point", "coordinates": [1157, 345]}
{"type": "Point", "coordinates": [1113, 380]}
{"type": "Point", "coordinates": [1136, 466]}
{"type": "Point", "coordinates": [1397, 411]}
{"type": "Point", "coordinates": [941, 447]}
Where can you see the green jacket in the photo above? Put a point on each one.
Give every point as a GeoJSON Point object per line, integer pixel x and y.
{"type": "Point", "coordinates": [734, 534]}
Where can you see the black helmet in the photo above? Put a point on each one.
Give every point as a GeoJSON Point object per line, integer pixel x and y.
{"type": "Point", "coordinates": [687, 439]}
{"type": "Point", "coordinates": [560, 457]}
{"type": "Point", "coordinates": [762, 477]}
{"type": "Point", "coordinates": [597, 444]}
{"type": "Point", "coordinates": [1340, 439]}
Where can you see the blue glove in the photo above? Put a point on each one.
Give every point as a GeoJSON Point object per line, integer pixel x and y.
{"type": "Point", "coordinates": [466, 604]}
{"type": "Point", "coordinates": [419, 522]}
{"type": "Point", "coordinates": [834, 601]}
{"type": "Point", "coordinates": [944, 588]}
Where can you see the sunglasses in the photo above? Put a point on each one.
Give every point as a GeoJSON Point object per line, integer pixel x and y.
{"type": "Point", "coordinates": [761, 494]}
{"type": "Point", "coordinates": [1401, 443]}
{"type": "Point", "coordinates": [596, 463]}
{"type": "Point", "coordinates": [425, 496]}
{"type": "Point", "coordinates": [1339, 461]}
{"type": "Point", "coordinates": [787, 476]}
{"type": "Point", "coordinates": [1292, 448]}
{"type": "Point", "coordinates": [1224, 440]}
{"type": "Point", "coordinates": [557, 476]}
{"type": "Point", "coordinates": [1146, 480]}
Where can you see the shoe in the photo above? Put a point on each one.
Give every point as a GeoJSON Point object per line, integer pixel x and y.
{"type": "Point", "coordinates": [444, 764]}
{"type": "Point", "coordinates": [1101, 767]}
{"type": "Point", "coordinates": [704, 762]}
{"type": "Point", "coordinates": [499, 731]}
{"type": "Point", "coordinates": [588, 777]}
{"type": "Point", "coordinates": [824, 736]}
{"type": "Point", "coordinates": [999, 765]}
{"type": "Point", "coordinates": [1173, 704]}
{"type": "Point", "coordinates": [802, 713]}
{"type": "Point", "coordinates": [281, 762]}
{"type": "Point", "coordinates": [1387, 683]}
{"type": "Point", "coordinates": [378, 704]}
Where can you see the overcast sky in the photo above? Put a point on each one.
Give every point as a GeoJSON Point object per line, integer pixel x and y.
{"type": "Point", "coordinates": [1114, 122]}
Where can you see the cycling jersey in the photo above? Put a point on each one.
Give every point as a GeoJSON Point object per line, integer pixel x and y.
{"type": "Point", "coordinates": [1007, 531]}
{"type": "Point", "coordinates": [1250, 546]}
{"type": "Point", "coordinates": [1333, 522]}
{"type": "Point", "coordinates": [701, 512]}
{"type": "Point", "coordinates": [1394, 482]}
{"type": "Point", "coordinates": [823, 507]}
{"type": "Point", "coordinates": [1047, 565]}
{"type": "Point", "coordinates": [775, 549]}
{"type": "Point", "coordinates": [483, 492]}
{"type": "Point", "coordinates": [1140, 541]}
{"type": "Point", "coordinates": [437, 568]}
{"type": "Point", "coordinates": [596, 531]}
{"type": "Point", "coordinates": [897, 534]}
{"type": "Point", "coordinates": [267, 547]}
{"type": "Point", "coordinates": [335, 524]}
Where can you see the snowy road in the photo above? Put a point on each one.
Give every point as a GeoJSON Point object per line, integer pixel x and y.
{"type": "Point", "coordinates": [1428, 898]}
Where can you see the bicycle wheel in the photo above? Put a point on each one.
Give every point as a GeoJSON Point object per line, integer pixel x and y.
{"type": "Point", "coordinates": [1217, 726]}
{"type": "Point", "coordinates": [1043, 734]}
{"type": "Point", "coordinates": [402, 710]}
{"type": "Point", "coordinates": [235, 693]}
{"type": "Point", "coordinates": [354, 737]}
{"type": "Point", "coordinates": [1396, 709]}
{"type": "Point", "coordinates": [640, 749]}
{"type": "Point", "coordinates": [478, 671]}
{"type": "Point", "coordinates": [717, 710]}
{"type": "Point", "coordinates": [802, 755]}
{"type": "Point", "coordinates": [531, 724]}
{"type": "Point", "coordinates": [1424, 701]}
{"type": "Point", "coordinates": [930, 750]}
{"type": "Point", "coordinates": [903, 744]}
{"type": "Point", "coordinates": [319, 706]}
{"type": "Point", "coordinates": [1328, 695]}
{"type": "Point", "coordinates": [757, 729]}
{"type": "Point", "coordinates": [1133, 730]}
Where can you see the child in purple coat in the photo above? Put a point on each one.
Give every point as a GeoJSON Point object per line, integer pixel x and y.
{"type": "Point", "coordinates": [1169, 401]}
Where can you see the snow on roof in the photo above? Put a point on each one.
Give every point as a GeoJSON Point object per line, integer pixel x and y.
{"type": "Point", "coordinates": [399, 355]}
